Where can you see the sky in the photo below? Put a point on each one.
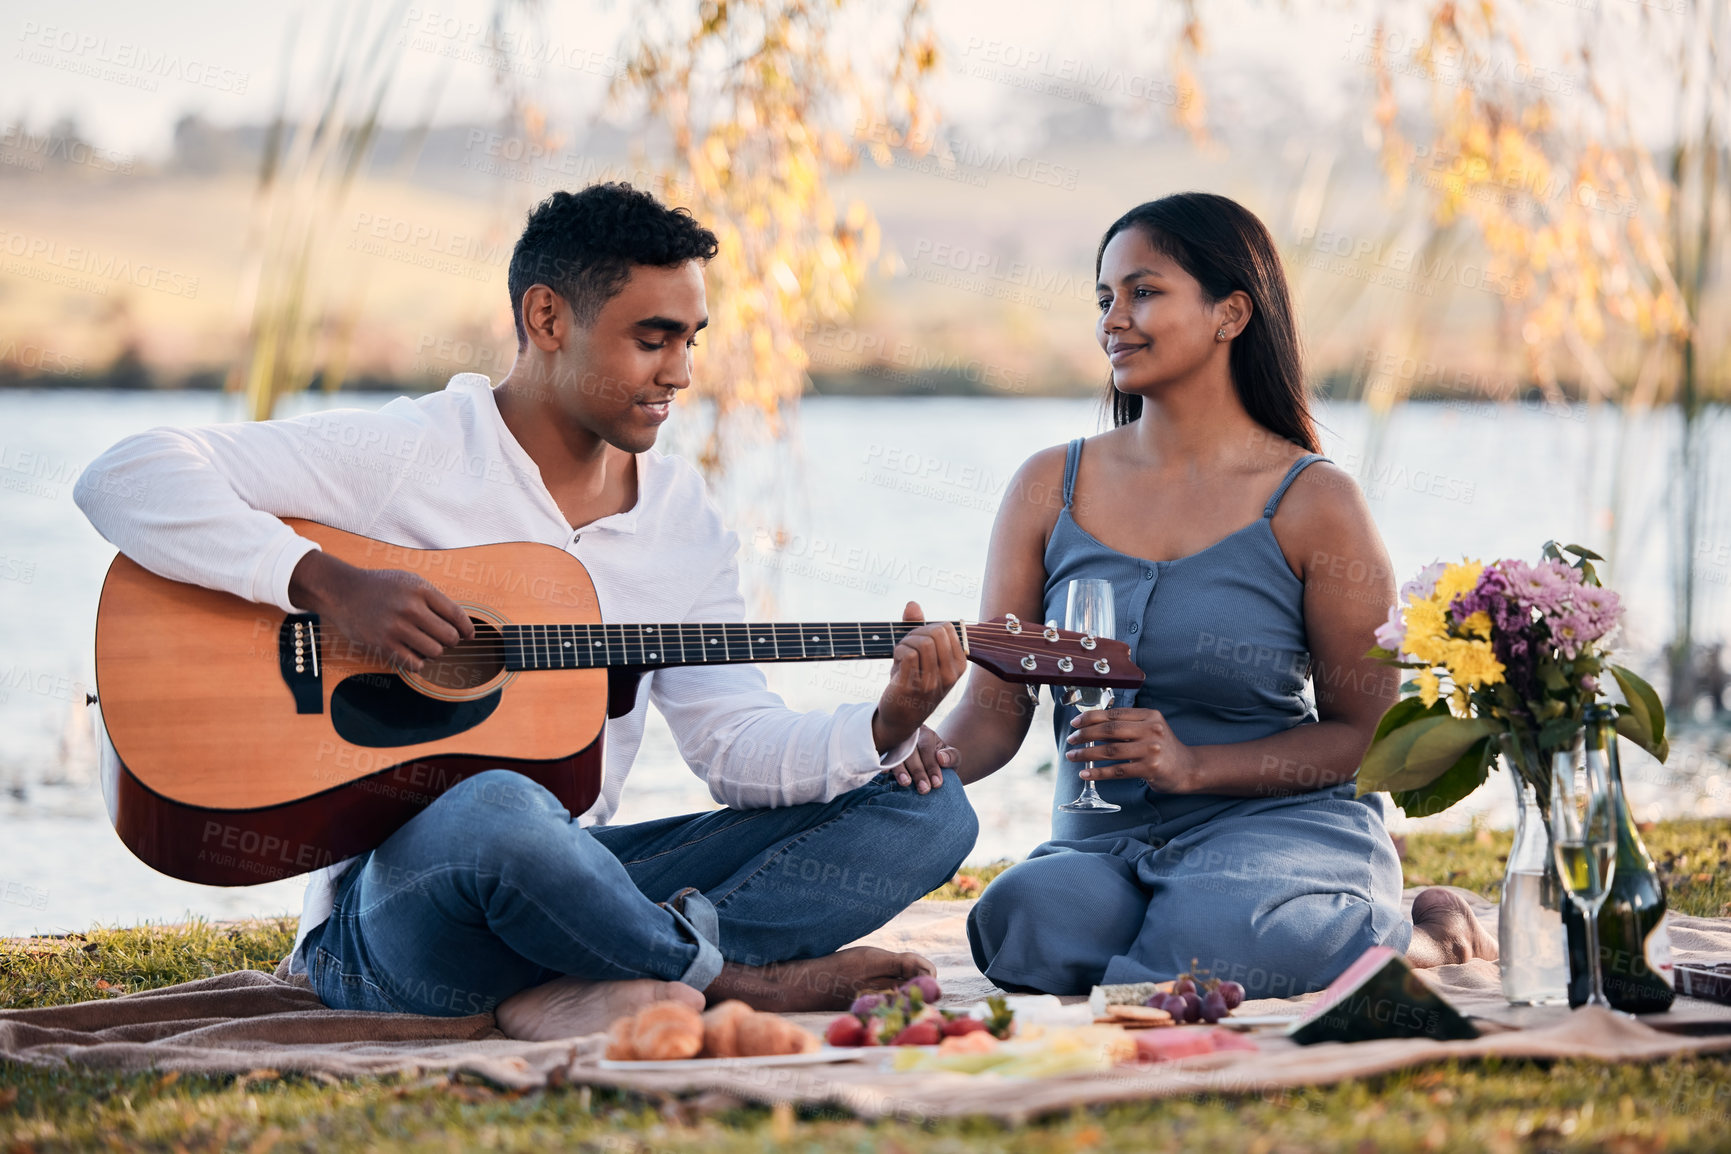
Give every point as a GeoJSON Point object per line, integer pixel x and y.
{"type": "Point", "coordinates": [127, 71]}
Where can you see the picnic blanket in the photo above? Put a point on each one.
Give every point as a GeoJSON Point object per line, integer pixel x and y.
{"type": "Point", "coordinates": [248, 1021]}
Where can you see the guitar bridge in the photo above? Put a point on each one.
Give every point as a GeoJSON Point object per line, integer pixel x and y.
{"type": "Point", "coordinates": [297, 647]}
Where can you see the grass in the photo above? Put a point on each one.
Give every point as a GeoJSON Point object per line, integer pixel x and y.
{"type": "Point", "coordinates": [1683, 1104]}
{"type": "Point", "coordinates": [1694, 859]}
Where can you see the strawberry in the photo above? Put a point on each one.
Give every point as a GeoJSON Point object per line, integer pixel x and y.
{"type": "Point", "coordinates": [956, 1026]}
{"type": "Point", "coordinates": [926, 1033]}
{"type": "Point", "coordinates": [846, 1030]}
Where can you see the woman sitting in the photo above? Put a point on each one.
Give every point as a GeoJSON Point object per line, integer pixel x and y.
{"type": "Point", "coordinates": [1245, 567]}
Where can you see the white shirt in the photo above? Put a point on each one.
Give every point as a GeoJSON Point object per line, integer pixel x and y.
{"type": "Point", "coordinates": [443, 471]}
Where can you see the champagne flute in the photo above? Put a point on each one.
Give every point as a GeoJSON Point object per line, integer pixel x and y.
{"type": "Point", "coordinates": [1089, 610]}
{"type": "Point", "coordinates": [1584, 838]}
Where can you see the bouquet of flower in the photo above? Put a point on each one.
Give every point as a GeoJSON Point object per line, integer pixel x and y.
{"type": "Point", "coordinates": [1505, 654]}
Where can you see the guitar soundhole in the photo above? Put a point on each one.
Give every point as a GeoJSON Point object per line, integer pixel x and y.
{"type": "Point", "coordinates": [382, 711]}
{"type": "Point", "coordinates": [466, 666]}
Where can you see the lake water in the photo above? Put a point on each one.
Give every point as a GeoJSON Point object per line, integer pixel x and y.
{"type": "Point", "coordinates": [878, 501]}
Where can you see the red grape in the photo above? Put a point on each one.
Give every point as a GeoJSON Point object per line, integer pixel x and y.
{"type": "Point", "coordinates": [865, 1004]}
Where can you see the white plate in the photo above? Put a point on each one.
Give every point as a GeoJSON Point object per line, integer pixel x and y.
{"type": "Point", "coordinates": [813, 1058]}
{"type": "Point", "coordinates": [1255, 1021]}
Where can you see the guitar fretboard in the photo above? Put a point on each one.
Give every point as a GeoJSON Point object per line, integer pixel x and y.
{"type": "Point", "coordinates": [589, 646]}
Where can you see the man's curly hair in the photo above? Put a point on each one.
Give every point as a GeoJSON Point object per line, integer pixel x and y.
{"type": "Point", "coordinates": [582, 246]}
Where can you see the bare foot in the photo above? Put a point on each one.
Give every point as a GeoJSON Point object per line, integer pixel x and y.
{"type": "Point", "coordinates": [1445, 931]}
{"type": "Point", "coordinates": [827, 983]}
{"type": "Point", "coordinates": [571, 1007]}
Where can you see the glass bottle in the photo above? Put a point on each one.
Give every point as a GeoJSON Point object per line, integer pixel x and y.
{"type": "Point", "coordinates": [1531, 955]}
{"type": "Point", "coordinates": [1634, 944]}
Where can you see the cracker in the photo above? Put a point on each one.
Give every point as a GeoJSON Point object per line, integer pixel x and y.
{"type": "Point", "coordinates": [1147, 1014]}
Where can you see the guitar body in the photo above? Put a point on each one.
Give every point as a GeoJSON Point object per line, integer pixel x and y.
{"type": "Point", "coordinates": [258, 745]}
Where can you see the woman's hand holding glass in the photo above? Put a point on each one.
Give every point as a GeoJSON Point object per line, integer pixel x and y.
{"type": "Point", "coordinates": [1142, 744]}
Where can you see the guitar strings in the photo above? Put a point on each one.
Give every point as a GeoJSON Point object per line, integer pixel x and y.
{"type": "Point", "coordinates": [985, 636]}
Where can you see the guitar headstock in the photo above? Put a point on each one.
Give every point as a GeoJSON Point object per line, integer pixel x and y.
{"type": "Point", "coordinates": [1033, 654]}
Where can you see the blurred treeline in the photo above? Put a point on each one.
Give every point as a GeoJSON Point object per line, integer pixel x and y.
{"type": "Point", "coordinates": [1471, 242]}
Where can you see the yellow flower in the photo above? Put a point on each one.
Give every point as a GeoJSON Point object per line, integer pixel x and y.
{"type": "Point", "coordinates": [1427, 686]}
{"type": "Point", "coordinates": [1426, 630]}
{"type": "Point", "coordinates": [1479, 624]}
{"type": "Point", "coordinates": [1472, 663]}
{"type": "Point", "coordinates": [1457, 579]}
{"type": "Point", "coordinates": [1458, 704]}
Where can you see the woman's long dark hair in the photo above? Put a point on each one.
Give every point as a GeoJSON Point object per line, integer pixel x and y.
{"type": "Point", "coordinates": [1226, 248]}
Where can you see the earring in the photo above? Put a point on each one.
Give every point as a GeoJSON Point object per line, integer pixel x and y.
{"type": "Point", "coordinates": [1221, 335]}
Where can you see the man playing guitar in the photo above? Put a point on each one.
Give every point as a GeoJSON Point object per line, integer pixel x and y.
{"type": "Point", "coordinates": [494, 897]}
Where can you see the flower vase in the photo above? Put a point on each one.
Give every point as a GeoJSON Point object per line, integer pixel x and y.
{"type": "Point", "coordinates": [1532, 947]}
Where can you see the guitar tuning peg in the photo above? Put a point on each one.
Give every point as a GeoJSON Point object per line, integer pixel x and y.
{"type": "Point", "coordinates": [1051, 633]}
{"type": "Point", "coordinates": [1033, 693]}
{"type": "Point", "coordinates": [1012, 623]}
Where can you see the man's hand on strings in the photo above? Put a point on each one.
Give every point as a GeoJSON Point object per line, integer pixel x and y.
{"type": "Point", "coordinates": [927, 663]}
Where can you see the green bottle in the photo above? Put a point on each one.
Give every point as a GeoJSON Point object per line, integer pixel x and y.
{"type": "Point", "coordinates": [1634, 947]}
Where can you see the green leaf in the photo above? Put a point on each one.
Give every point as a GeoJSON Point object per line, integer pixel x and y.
{"type": "Point", "coordinates": [1457, 782]}
{"type": "Point", "coordinates": [1404, 712]}
{"type": "Point", "coordinates": [1642, 721]}
{"type": "Point", "coordinates": [1583, 559]}
{"type": "Point", "coordinates": [1418, 753]}
{"type": "Point", "coordinates": [1555, 734]}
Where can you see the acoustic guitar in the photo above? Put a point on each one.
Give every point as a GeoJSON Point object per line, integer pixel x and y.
{"type": "Point", "coordinates": [257, 745]}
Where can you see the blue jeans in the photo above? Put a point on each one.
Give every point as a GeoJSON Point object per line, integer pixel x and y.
{"type": "Point", "coordinates": [493, 888]}
{"type": "Point", "coordinates": [1279, 894]}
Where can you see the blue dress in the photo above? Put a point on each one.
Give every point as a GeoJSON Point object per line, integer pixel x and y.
{"type": "Point", "coordinates": [1278, 893]}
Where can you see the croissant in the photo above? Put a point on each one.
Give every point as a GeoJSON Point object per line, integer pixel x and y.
{"type": "Point", "coordinates": [673, 1030]}
{"type": "Point", "coordinates": [619, 1040]}
{"type": "Point", "coordinates": [761, 1034]}
{"type": "Point", "coordinates": [721, 1028]}
{"type": "Point", "coordinates": [667, 1030]}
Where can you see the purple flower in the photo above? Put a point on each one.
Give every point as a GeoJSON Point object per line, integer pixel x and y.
{"type": "Point", "coordinates": [1423, 584]}
{"type": "Point", "coordinates": [1392, 632]}
{"type": "Point", "coordinates": [1590, 684]}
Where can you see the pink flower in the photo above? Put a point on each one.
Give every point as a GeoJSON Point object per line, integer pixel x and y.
{"type": "Point", "coordinates": [1590, 684]}
{"type": "Point", "coordinates": [1601, 606]}
{"type": "Point", "coordinates": [1541, 587]}
{"type": "Point", "coordinates": [1568, 574]}
{"type": "Point", "coordinates": [1570, 632]}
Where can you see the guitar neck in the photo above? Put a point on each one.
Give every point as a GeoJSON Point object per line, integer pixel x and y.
{"type": "Point", "coordinates": [603, 645]}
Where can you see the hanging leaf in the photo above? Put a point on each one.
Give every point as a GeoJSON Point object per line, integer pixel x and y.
{"type": "Point", "coordinates": [1404, 712]}
{"type": "Point", "coordinates": [1642, 720]}
{"type": "Point", "coordinates": [1459, 780]}
{"type": "Point", "coordinates": [1416, 754]}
